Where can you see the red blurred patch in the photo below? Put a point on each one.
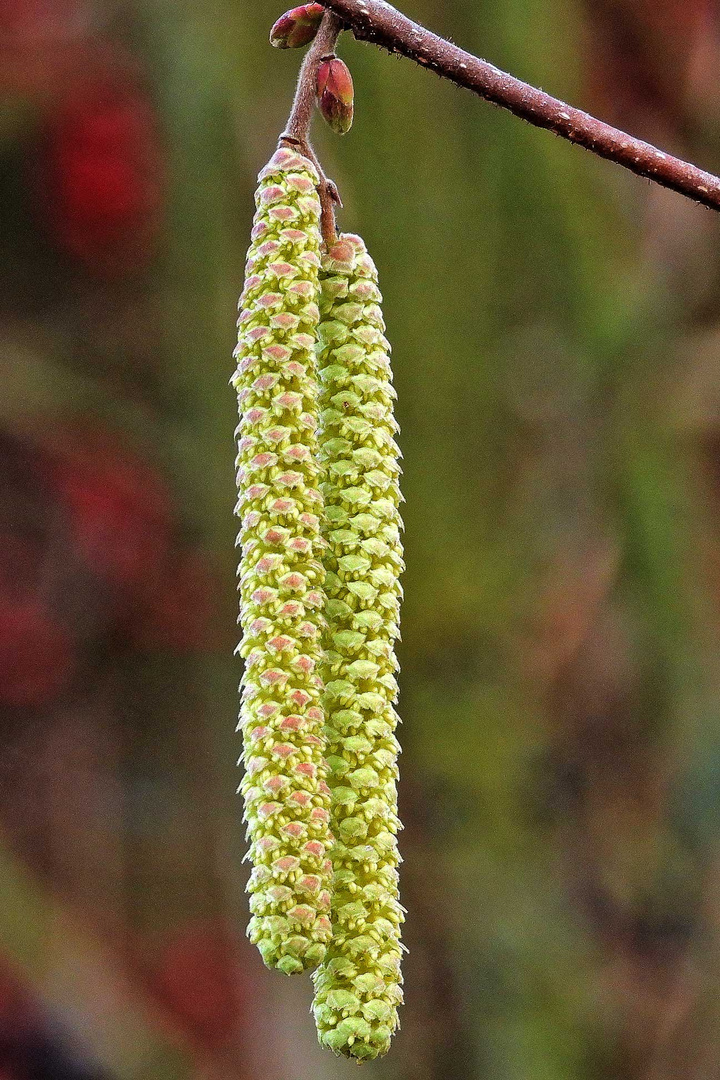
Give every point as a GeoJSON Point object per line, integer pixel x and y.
{"type": "Point", "coordinates": [20, 560]}
{"type": "Point", "coordinates": [676, 20]}
{"type": "Point", "coordinates": [119, 509]}
{"type": "Point", "coordinates": [639, 54]}
{"type": "Point", "coordinates": [100, 173]}
{"type": "Point", "coordinates": [36, 654]}
{"type": "Point", "coordinates": [198, 979]}
{"type": "Point", "coordinates": [41, 41]}
{"type": "Point", "coordinates": [179, 613]}
{"type": "Point", "coordinates": [18, 1014]}
{"type": "Point", "coordinates": [32, 19]}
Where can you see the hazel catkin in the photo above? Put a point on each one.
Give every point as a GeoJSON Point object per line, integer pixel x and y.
{"type": "Point", "coordinates": [287, 799]}
{"type": "Point", "coordinates": [358, 985]}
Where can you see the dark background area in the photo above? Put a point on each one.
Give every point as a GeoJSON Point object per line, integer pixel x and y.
{"type": "Point", "coordinates": [556, 333]}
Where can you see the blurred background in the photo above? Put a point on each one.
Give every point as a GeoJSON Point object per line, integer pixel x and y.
{"type": "Point", "coordinates": [556, 331]}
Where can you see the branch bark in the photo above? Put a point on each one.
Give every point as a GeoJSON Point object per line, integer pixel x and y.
{"type": "Point", "coordinates": [381, 24]}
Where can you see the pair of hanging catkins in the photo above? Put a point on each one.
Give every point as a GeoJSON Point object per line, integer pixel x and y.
{"type": "Point", "coordinates": [317, 473]}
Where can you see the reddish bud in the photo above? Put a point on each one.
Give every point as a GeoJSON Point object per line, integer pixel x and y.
{"type": "Point", "coordinates": [335, 94]}
{"type": "Point", "coordinates": [297, 27]}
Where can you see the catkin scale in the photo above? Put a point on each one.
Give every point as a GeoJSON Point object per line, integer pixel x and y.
{"type": "Point", "coordinates": [287, 799]}
{"type": "Point", "coordinates": [358, 985]}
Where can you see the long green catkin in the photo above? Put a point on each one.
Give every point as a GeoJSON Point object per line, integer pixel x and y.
{"type": "Point", "coordinates": [358, 985]}
{"type": "Point", "coordinates": [287, 799]}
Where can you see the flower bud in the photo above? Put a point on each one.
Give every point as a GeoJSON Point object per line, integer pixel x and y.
{"type": "Point", "coordinates": [335, 94]}
{"type": "Point", "coordinates": [297, 27]}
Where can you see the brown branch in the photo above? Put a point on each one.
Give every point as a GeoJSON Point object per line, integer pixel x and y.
{"type": "Point", "coordinates": [381, 24]}
{"type": "Point", "coordinates": [297, 130]}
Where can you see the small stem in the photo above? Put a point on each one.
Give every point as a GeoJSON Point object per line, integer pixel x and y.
{"type": "Point", "coordinates": [377, 22]}
{"type": "Point", "coordinates": [297, 129]}
{"type": "Point", "coordinates": [329, 199]}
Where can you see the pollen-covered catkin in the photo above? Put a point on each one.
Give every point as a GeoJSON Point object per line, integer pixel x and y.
{"type": "Point", "coordinates": [287, 798]}
{"type": "Point", "coordinates": [358, 985]}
